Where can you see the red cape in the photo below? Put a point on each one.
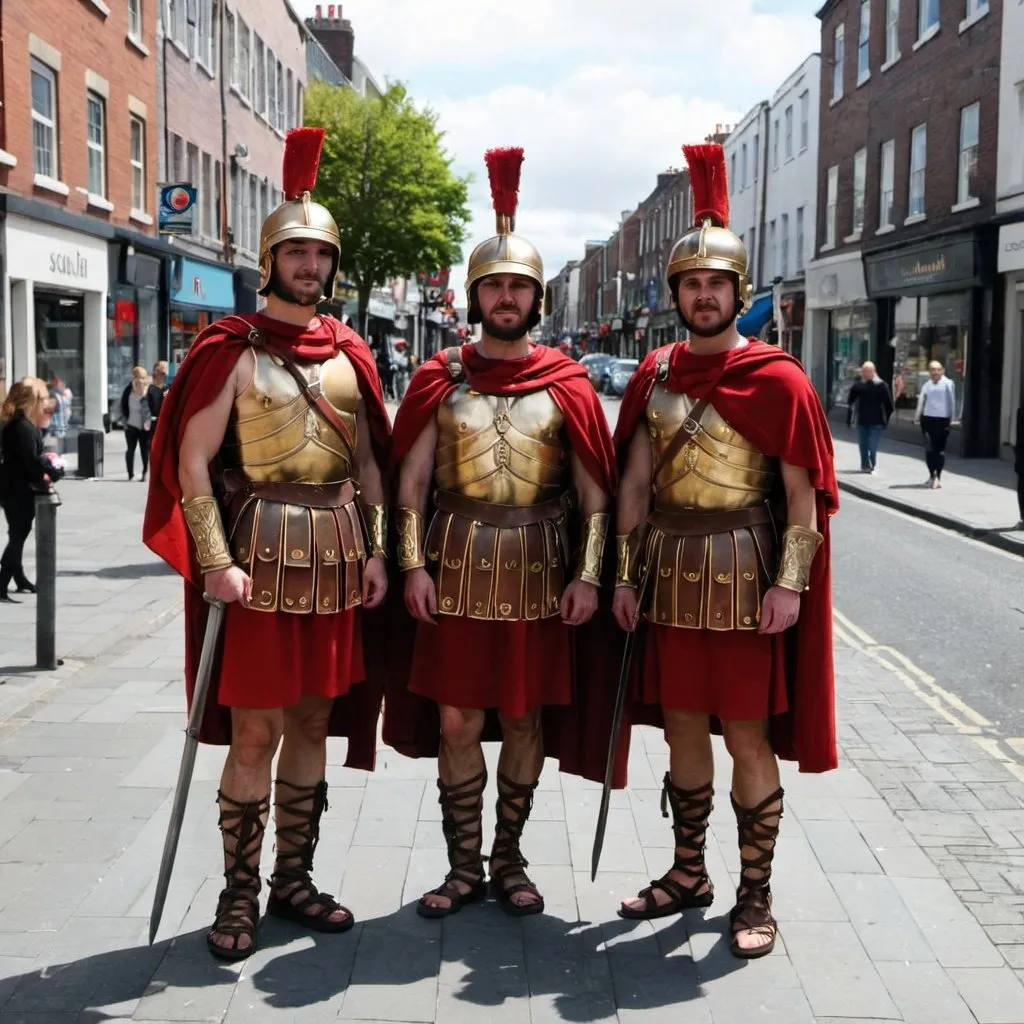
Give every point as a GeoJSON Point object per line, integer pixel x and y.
{"type": "Point", "coordinates": [197, 383]}
{"type": "Point", "coordinates": [571, 734]}
{"type": "Point", "coordinates": [764, 393]}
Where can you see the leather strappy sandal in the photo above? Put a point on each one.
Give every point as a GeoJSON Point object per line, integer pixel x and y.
{"type": "Point", "coordinates": [462, 806]}
{"type": "Point", "coordinates": [691, 809]}
{"type": "Point", "coordinates": [515, 801]}
{"type": "Point", "coordinates": [758, 829]}
{"type": "Point", "coordinates": [293, 893]}
{"type": "Point", "coordinates": [238, 908]}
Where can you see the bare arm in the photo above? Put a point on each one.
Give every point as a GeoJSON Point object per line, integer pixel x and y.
{"type": "Point", "coordinates": [801, 509]}
{"type": "Point", "coordinates": [203, 438]}
{"type": "Point", "coordinates": [635, 486]}
{"type": "Point", "coordinates": [371, 483]}
{"type": "Point", "coordinates": [592, 495]}
{"type": "Point", "coordinates": [417, 470]}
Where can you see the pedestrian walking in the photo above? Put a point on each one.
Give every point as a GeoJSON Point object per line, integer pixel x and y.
{"type": "Point", "coordinates": [871, 400]}
{"type": "Point", "coordinates": [936, 409]}
{"type": "Point", "coordinates": [62, 398]}
{"type": "Point", "coordinates": [157, 389]}
{"type": "Point", "coordinates": [25, 471]}
{"type": "Point", "coordinates": [137, 401]}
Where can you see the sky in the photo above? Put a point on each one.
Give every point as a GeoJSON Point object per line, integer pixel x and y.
{"type": "Point", "coordinates": [601, 94]}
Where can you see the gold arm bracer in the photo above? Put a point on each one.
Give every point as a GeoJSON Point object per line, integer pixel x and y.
{"type": "Point", "coordinates": [799, 546]}
{"type": "Point", "coordinates": [202, 516]}
{"type": "Point", "coordinates": [377, 526]}
{"type": "Point", "coordinates": [409, 527]}
{"type": "Point", "coordinates": [627, 546]}
{"type": "Point", "coordinates": [595, 535]}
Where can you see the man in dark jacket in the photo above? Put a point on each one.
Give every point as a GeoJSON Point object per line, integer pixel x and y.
{"type": "Point", "coordinates": [873, 401]}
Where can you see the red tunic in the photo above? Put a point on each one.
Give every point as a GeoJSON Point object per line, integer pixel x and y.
{"type": "Point", "coordinates": [788, 678]}
{"type": "Point", "coordinates": [517, 667]}
{"type": "Point", "coordinates": [268, 660]}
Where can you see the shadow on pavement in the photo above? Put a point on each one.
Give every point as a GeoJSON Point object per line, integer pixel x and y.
{"type": "Point", "coordinates": [122, 572]}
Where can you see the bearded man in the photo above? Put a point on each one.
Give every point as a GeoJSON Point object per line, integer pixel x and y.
{"type": "Point", "coordinates": [267, 494]}
{"type": "Point", "coordinates": [724, 446]}
{"type": "Point", "coordinates": [512, 441]}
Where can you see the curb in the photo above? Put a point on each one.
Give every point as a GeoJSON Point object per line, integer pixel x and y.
{"type": "Point", "coordinates": [991, 537]}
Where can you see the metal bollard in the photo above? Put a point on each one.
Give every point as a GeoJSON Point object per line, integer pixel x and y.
{"type": "Point", "coordinates": [46, 579]}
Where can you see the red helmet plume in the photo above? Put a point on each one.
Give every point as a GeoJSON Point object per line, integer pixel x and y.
{"type": "Point", "coordinates": [302, 148]}
{"type": "Point", "coordinates": [709, 183]}
{"type": "Point", "coordinates": [503, 169]}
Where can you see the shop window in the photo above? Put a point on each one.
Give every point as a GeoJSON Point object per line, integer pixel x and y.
{"type": "Point", "coordinates": [886, 193]}
{"type": "Point", "coordinates": [918, 165]}
{"type": "Point", "coordinates": [967, 174]}
{"type": "Point", "coordinates": [927, 17]}
{"type": "Point", "coordinates": [60, 345]}
{"type": "Point", "coordinates": [892, 30]}
{"type": "Point", "coordinates": [96, 137]}
{"type": "Point", "coordinates": [864, 43]}
{"type": "Point", "coordinates": [849, 347]}
{"type": "Point", "coordinates": [138, 162]}
{"type": "Point", "coordinates": [44, 120]}
{"type": "Point", "coordinates": [838, 54]}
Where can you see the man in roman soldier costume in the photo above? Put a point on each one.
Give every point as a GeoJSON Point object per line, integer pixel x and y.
{"type": "Point", "coordinates": [504, 455]}
{"type": "Point", "coordinates": [723, 539]}
{"type": "Point", "coordinates": [267, 494]}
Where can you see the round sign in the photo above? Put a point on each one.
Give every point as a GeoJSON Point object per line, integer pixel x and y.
{"type": "Point", "coordinates": [179, 199]}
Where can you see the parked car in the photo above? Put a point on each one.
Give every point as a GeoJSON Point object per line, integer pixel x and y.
{"type": "Point", "coordinates": [598, 365]}
{"type": "Point", "coordinates": [619, 375]}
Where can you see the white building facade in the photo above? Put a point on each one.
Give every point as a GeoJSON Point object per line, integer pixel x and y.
{"type": "Point", "coordinates": [745, 164]}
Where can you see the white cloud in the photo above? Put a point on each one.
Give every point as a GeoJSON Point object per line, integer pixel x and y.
{"type": "Point", "coordinates": [600, 94]}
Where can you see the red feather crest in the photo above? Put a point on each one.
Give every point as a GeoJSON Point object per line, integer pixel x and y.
{"type": "Point", "coordinates": [709, 183]}
{"type": "Point", "coordinates": [503, 167]}
{"type": "Point", "coordinates": [301, 160]}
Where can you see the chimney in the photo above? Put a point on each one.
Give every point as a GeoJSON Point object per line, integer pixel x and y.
{"type": "Point", "coordinates": [330, 12]}
{"type": "Point", "coordinates": [319, 12]}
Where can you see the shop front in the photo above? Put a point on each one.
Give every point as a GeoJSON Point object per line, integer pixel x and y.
{"type": "Point", "coordinates": [935, 303]}
{"type": "Point", "coordinates": [1011, 266]}
{"type": "Point", "coordinates": [55, 300]}
{"type": "Point", "coordinates": [837, 319]}
{"type": "Point", "coordinates": [200, 293]}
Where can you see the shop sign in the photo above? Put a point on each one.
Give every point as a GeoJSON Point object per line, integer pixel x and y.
{"type": "Point", "coordinates": [950, 265]}
{"type": "Point", "coordinates": [177, 208]}
{"type": "Point", "coordinates": [835, 281]}
{"type": "Point", "coordinates": [47, 254]}
{"type": "Point", "coordinates": [1011, 247]}
{"type": "Point", "coordinates": [203, 285]}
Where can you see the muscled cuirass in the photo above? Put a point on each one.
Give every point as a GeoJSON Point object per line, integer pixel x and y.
{"type": "Point", "coordinates": [716, 470]}
{"type": "Point", "coordinates": [275, 436]}
{"type": "Point", "coordinates": [509, 451]}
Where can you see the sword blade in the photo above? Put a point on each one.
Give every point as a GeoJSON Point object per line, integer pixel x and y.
{"type": "Point", "coordinates": [214, 618]}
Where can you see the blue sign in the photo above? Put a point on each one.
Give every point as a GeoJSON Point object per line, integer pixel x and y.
{"type": "Point", "coordinates": [652, 294]}
{"type": "Point", "coordinates": [204, 285]}
{"type": "Point", "coordinates": [177, 209]}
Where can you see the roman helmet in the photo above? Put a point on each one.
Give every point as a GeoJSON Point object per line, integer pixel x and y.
{"type": "Point", "coordinates": [506, 252]}
{"type": "Point", "coordinates": [298, 217]}
{"type": "Point", "coordinates": [709, 244]}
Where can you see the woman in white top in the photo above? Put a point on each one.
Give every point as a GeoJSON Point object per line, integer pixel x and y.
{"type": "Point", "coordinates": [138, 413]}
{"type": "Point", "coordinates": [936, 407]}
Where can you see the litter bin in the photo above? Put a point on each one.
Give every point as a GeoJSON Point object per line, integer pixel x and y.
{"type": "Point", "coordinates": [90, 453]}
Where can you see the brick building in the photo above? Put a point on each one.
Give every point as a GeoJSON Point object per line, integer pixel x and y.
{"type": "Point", "coordinates": [907, 178]}
{"type": "Point", "coordinates": [78, 142]}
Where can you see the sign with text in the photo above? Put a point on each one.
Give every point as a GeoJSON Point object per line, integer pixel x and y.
{"type": "Point", "coordinates": [177, 208]}
{"type": "Point", "coordinates": [1011, 247]}
{"type": "Point", "coordinates": [951, 265]}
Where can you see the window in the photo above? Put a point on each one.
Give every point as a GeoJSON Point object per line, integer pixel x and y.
{"type": "Point", "coordinates": [271, 88]}
{"type": "Point", "coordinates": [299, 111]}
{"type": "Point", "coordinates": [95, 140]}
{"type": "Point", "coordinates": [279, 80]}
{"type": "Point", "coordinates": [181, 31]}
{"type": "Point", "coordinates": [752, 252]}
{"type": "Point", "coordinates": [887, 171]}
{"type": "Point", "coordinates": [927, 17]}
{"type": "Point", "coordinates": [291, 100]}
{"type": "Point", "coordinates": [732, 174]}
{"type": "Point", "coordinates": [775, 143]}
{"type": "Point", "coordinates": [215, 227]}
{"type": "Point", "coordinates": [254, 214]}
{"type": "Point", "coordinates": [784, 255]}
{"type": "Point", "coordinates": [177, 157]}
{"type": "Point", "coordinates": [206, 197]}
{"type": "Point", "coordinates": [260, 73]}
{"type": "Point", "coordinates": [976, 7]}
{"type": "Point", "coordinates": [135, 19]}
{"type": "Point", "coordinates": [864, 43]}
{"type": "Point", "coordinates": [860, 178]}
{"type": "Point", "coordinates": [799, 252]}
{"type": "Point", "coordinates": [194, 175]}
{"type": "Point", "coordinates": [138, 160]}
{"type": "Point", "coordinates": [757, 156]}
{"type": "Point", "coordinates": [743, 173]}
{"type": "Point", "coordinates": [243, 66]}
{"type": "Point", "coordinates": [805, 120]}
{"type": "Point", "coordinates": [789, 132]}
{"type": "Point", "coordinates": [838, 54]}
{"type": "Point", "coordinates": [967, 180]}
{"type": "Point", "coordinates": [771, 251]}
{"type": "Point", "coordinates": [892, 30]}
{"type": "Point", "coordinates": [44, 120]}
{"type": "Point", "coordinates": [832, 197]}
{"type": "Point", "coordinates": [206, 35]}
{"type": "Point", "coordinates": [918, 163]}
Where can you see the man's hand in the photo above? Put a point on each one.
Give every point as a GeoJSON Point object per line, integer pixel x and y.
{"type": "Point", "coordinates": [579, 602]}
{"type": "Point", "coordinates": [779, 610]}
{"type": "Point", "coordinates": [420, 595]}
{"type": "Point", "coordinates": [375, 582]}
{"type": "Point", "coordinates": [624, 608]}
{"type": "Point", "coordinates": [227, 585]}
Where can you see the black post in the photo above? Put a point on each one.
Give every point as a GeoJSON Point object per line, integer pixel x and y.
{"type": "Point", "coordinates": [46, 579]}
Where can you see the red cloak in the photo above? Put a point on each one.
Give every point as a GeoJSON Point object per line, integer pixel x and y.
{"type": "Point", "coordinates": [197, 383]}
{"type": "Point", "coordinates": [764, 393]}
{"type": "Point", "coordinates": [411, 723]}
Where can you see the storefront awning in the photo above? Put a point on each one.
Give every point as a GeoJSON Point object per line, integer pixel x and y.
{"type": "Point", "coordinates": [752, 322]}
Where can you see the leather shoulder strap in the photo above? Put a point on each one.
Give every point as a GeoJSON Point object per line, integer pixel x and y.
{"type": "Point", "coordinates": [453, 360]}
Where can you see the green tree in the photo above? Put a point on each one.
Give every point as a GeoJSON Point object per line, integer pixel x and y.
{"type": "Point", "coordinates": [388, 181]}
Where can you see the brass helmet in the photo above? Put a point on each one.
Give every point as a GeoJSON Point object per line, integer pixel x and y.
{"type": "Point", "coordinates": [709, 244]}
{"type": "Point", "coordinates": [506, 252]}
{"type": "Point", "coordinates": [298, 217]}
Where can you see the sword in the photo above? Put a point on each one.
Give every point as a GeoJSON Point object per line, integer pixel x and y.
{"type": "Point", "coordinates": [620, 706]}
{"type": "Point", "coordinates": [188, 759]}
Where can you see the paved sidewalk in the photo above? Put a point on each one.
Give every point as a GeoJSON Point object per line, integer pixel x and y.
{"type": "Point", "coordinates": [978, 496]}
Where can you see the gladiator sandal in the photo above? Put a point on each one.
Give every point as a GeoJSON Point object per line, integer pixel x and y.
{"type": "Point", "coordinates": [462, 807]}
{"type": "Point", "coordinates": [293, 895]}
{"type": "Point", "coordinates": [758, 829]}
{"type": "Point", "coordinates": [517, 799]}
{"type": "Point", "coordinates": [242, 826]}
{"type": "Point", "coordinates": [691, 809]}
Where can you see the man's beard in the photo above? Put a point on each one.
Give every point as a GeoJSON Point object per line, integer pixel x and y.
{"type": "Point", "coordinates": [286, 294]}
{"type": "Point", "coordinates": [713, 330]}
{"type": "Point", "coordinates": [506, 334]}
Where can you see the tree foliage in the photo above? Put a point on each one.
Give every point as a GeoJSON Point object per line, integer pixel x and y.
{"type": "Point", "coordinates": [387, 180]}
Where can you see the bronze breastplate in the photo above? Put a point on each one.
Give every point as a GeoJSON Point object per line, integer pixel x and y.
{"type": "Point", "coordinates": [507, 451]}
{"type": "Point", "coordinates": [275, 436]}
{"type": "Point", "coordinates": [716, 470]}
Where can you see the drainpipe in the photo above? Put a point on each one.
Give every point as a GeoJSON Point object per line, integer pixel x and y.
{"type": "Point", "coordinates": [224, 234]}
